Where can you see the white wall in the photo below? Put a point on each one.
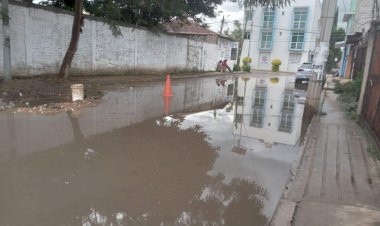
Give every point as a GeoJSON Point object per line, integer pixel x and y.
{"type": "Point", "coordinates": [40, 37]}
{"type": "Point", "coordinates": [282, 36]}
{"type": "Point", "coordinates": [269, 133]}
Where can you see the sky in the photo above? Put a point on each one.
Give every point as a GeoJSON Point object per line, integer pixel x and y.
{"type": "Point", "coordinates": [232, 11]}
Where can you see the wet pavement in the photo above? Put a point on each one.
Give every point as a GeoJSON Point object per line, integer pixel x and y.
{"type": "Point", "coordinates": [337, 181]}
{"type": "Point", "coordinates": [140, 159]}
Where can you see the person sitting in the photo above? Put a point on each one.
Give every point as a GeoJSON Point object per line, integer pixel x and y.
{"type": "Point", "coordinates": [225, 65]}
{"type": "Point", "coordinates": [219, 66]}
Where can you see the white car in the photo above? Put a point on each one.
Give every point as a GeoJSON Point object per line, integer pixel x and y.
{"type": "Point", "coordinates": [305, 70]}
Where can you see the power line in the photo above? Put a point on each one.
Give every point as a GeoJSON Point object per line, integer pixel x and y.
{"type": "Point", "coordinates": [279, 29]}
{"type": "Point", "coordinates": [282, 41]}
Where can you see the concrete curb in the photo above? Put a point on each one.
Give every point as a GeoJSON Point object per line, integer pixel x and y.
{"type": "Point", "coordinates": [285, 210]}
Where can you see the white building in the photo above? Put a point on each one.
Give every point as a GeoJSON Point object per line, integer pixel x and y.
{"type": "Point", "coordinates": [268, 110]}
{"type": "Point", "coordinates": [288, 34]}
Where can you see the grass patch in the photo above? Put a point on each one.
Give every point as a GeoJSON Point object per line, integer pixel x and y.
{"type": "Point", "coordinates": [349, 94]}
{"type": "Point", "coordinates": [372, 148]}
{"type": "Point", "coordinates": [374, 151]}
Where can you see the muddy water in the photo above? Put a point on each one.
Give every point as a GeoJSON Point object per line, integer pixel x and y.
{"type": "Point", "coordinates": [138, 159]}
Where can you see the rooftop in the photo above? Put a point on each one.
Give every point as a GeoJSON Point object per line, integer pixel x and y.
{"type": "Point", "coordinates": [189, 27]}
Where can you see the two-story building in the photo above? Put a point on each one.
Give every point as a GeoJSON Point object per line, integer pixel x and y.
{"type": "Point", "coordinates": [288, 34]}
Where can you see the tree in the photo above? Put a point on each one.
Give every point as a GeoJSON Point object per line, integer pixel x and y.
{"type": "Point", "coordinates": [337, 35]}
{"type": "Point", "coordinates": [237, 35]}
{"type": "Point", "coordinates": [75, 33]}
{"type": "Point", "coordinates": [62, 4]}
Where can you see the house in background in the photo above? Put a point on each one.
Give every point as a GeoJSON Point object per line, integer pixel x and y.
{"type": "Point", "coordinates": [358, 23]}
{"type": "Point", "coordinates": [288, 34]}
{"type": "Point", "coordinates": [201, 45]}
{"type": "Point", "coordinates": [267, 109]}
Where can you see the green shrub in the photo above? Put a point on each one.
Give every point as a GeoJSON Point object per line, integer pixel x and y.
{"type": "Point", "coordinates": [247, 60]}
{"type": "Point", "coordinates": [276, 64]}
{"type": "Point", "coordinates": [246, 67]}
{"type": "Point", "coordinates": [236, 67]}
{"type": "Point", "coordinates": [349, 94]}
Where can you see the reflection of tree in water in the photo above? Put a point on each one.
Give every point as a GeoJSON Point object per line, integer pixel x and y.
{"type": "Point", "coordinates": [143, 174]}
{"type": "Point", "coordinates": [176, 121]}
{"type": "Point", "coordinates": [237, 203]}
{"type": "Point", "coordinates": [146, 171]}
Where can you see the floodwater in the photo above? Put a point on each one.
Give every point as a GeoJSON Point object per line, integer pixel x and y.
{"type": "Point", "coordinates": [138, 159]}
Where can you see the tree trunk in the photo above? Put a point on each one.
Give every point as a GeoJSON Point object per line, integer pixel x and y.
{"type": "Point", "coordinates": [75, 33]}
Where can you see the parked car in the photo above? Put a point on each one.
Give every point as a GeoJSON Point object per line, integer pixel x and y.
{"type": "Point", "coordinates": [305, 71]}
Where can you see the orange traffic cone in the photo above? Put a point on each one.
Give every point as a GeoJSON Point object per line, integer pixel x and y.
{"type": "Point", "coordinates": [168, 88]}
{"type": "Point", "coordinates": [167, 105]}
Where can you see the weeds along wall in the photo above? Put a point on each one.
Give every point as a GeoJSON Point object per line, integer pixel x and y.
{"type": "Point", "coordinates": [40, 37]}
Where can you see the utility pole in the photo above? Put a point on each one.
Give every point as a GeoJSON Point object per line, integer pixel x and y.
{"type": "Point", "coordinates": [250, 33]}
{"type": "Point", "coordinates": [221, 26]}
{"type": "Point", "coordinates": [7, 41]}
{"type": "Point", "coordinates": [326, 21]}
{"type": "Point", "coordinates": [375, 10]}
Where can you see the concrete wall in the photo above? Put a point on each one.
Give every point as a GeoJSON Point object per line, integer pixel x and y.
{"type": "Point", "coordinates": [40, 37]}
{"type": "Point", "coordinates": [363, 16]}
{"type": "Point", "coordinates": [291, 60]}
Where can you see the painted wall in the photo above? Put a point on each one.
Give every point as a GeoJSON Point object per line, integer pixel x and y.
{"type": "Point", "coordinates": [270, 132]}
{"type": "Point", "coordinates": [40, 37]}
{"type": "Point", "coordinates": [291, 60]}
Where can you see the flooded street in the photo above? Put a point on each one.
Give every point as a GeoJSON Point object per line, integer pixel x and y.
{"type": "Point", "coordinates": [140, 159]}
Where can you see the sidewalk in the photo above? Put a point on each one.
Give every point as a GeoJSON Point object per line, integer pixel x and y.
{"type": "Point", "coordinates": [336, 182]}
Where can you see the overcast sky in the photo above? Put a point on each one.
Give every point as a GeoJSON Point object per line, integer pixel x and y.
{"type": "Point", "coordinates": [232, 11]}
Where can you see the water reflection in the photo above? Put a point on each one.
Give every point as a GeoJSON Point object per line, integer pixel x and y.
{"type": "Point", "coordinates": [237, 203]}
{"type": "Point", "coordinates": [135, 171]}
{"type": "Point", "coordinates": [255, 161]}
{"type": "Point", "coordinates": [125, 163]}
{"type": "Point", "coordinates": [269, 109]}
{"type": "Point", "coordinates": [119, 108]}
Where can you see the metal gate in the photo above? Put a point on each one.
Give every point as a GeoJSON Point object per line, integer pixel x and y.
{"type": "Point", "coordinates": [371, 101]}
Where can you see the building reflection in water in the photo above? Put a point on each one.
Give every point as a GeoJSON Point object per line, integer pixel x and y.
{"type": "Point", "coordinates": [123, 163]}
{"type": "Point", "coordinates": [267, 108]}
